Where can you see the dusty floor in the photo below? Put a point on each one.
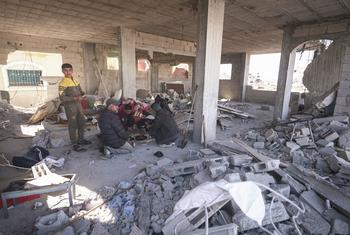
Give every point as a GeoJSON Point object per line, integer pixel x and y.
{"type": "Point", "coordinates": [93, 172]}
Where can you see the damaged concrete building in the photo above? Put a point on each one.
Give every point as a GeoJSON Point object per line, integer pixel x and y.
{"type": "Point", "coordinates": [249, 164]}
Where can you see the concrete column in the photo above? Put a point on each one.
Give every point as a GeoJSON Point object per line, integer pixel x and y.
{"type": "Point", "coordinates": [128, 61]}
{"type": "Point", "coordinates": [245, 74]}
{"type": "Point", "coordinates": [285, 76]}
{"type": "Point", "coordinates": [210, 29]}
{"type": "Point", "coordinates": [154, 77]}
{"type": "Point", "coordinates": [91, 82]}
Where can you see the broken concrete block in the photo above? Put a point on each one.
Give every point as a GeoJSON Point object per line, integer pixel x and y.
{"type": "Point", "coordinates": [333, 163]}
{"type": "Point", "coordinates": [292, 146]}
{"type": "Point", "coordinates": [305, 131]}
{"type": "Point", "coordinates": [295, 186]}
{"type": "Point", "coordinates": [327, 151]}
{"type": "Point", "coordinates": [338, 126]}
{"type": "Point", "coordinates": [217, 169]}
{"type": "Point", "coordinates": [344, 154]}
{"type": "Point", "coordinates": [271, 135]}
{"type": "Point", "coordinates": [260, 138]}
{"type": "Point", "coordinates": [303, 141]}
{"type": "Point", "coordinates": [82, 226]}
{"type": "Point", "coordinates": [233, 177]}
{"type": "Point", "coordinates": [313, 200]}
{"type": "Point", "coordinates": [313, 223]}
{"type": "Point", "coordinates": [340, 227]}
{"type": "Point", "coordinates": [269, 165]}
{"type": "Point", "coordinates": [217, 159]}
{"type": "Point", "coordinates": [185, 168]}
{"type": "Point", "coordinates": [299, 158]}
{"type": "Point", "coordinates": [252, 135]}
{"type": "Point", "coordinates": [322, 165]}
{"type": "Point", "coordinates": [283, 189]}
{"type": "Point", "coordinates": [324, 143]}
{"type": "Point", "coordinates": [259, 145]}
{"type": "Point", "coordinates": [206, 152]}
{"type": "Point", "coordinates": [344, 119]}
{"type": "Point", "coordinates": [332, 137]}
{"type": "Point", "coordinates": [273, 146]}
{"type": "Point", "coordinates": [201, 177]}
{"type": "Point", "coordinates": [344, 140]}
{"type": "Point", "coordinates": [265, 179]}
{"type": "Point", "coordinates": [165, 162]}
{"type": "Point", "coordinates": [240, 159]}
{"type": "Point", "coordinates": [278, 214]}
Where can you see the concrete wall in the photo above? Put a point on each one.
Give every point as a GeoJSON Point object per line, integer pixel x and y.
{"type": "Point", "coordinates": [30, 96]}
{"type": "Point", "coordinates": [165, 75]}
{"type": "Point", "coordinates": [343, 97]}
{"type": "Point", "coordinates": [231, 89]}
{"type": "Point", "coordinates": [324, 71]}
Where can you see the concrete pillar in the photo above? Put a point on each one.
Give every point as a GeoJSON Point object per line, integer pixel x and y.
{"type": "Point", "coordinates": [154, 77]}
{"type": "Point", "coordinates": [91, 82]}
{"type": "Point", "coordinates": [128, 61]}
{"type": "Point", "coordinates": [210, 29]}
{"type": "Point", "coordinates": [245, 74]}
{"type": "Point", "coordinates": [285, 76]}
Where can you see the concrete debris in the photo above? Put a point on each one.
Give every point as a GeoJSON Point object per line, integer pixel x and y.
{"type": "Point", "coordinates": [340, 227]}
{"type": "Point", "coordinates": [284, 157]}
{"type": "Point", "coordinates": [265, 179]}
{"type": "Point", "coordinates": [217, 169]}
{"type": "Point", "coordinates": [344, 140]}
{"type": "Point", "coordinates": [186, 168]}
{"type": "Point", "coordinates": [233, 177]}
{"type": "Point", "coordinates": [206, 152]}
{"type": "Point", "coordinates": [52, 222]}
{"type": "Point", "coordinates": [271, 135]}
{"type": "Point", "coordinates": [82, 226]}
{"type": "Point", "coordinates": [292, 146]}
{"type": "Point", "coordinates": [99, 229]}
{"type": "Point", "coordinates": [259, 145]}
{"type": "Point", "coordinates": [240, 159]}
{"type": "Point", "coordinates": [66, 231]}
{"type": "Point", "coordinates": [278, 214]}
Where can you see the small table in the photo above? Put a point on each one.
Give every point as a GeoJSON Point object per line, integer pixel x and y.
{"type": "Point", "coordinates": [68, 186]}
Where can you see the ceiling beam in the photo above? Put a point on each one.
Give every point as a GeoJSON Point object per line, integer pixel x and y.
{"type": "Point", "coordinates": [345, 4]}
{"type": "Point", "coordinates": [306, 5]}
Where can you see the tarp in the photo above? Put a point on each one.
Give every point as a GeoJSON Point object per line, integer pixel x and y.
{"type": "Point", "coordinates": [247, 195]}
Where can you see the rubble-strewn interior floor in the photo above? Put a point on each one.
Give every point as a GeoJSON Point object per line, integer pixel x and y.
{"type": "Point", "coordinates": [139, 193]}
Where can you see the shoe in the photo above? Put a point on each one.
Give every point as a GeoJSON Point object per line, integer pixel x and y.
{"type": "Point", "coordinates": [78, 148]}
{"type": "Point", "coordinates": [84, 142]}
{"type": "Point", "coordinates": [107, 153]}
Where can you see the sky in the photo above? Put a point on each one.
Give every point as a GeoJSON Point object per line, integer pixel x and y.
{"type": "Point", "coordinates": [267, 65]}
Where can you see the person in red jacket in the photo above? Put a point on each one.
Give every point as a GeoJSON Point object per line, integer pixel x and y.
{"type": "Point", "coordinates": [132, 112]}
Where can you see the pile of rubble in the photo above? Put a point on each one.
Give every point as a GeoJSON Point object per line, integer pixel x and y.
{"type": "Point", "coordinates": [320, 144]}
{"type": "Point", "coordinates": [297, 200]}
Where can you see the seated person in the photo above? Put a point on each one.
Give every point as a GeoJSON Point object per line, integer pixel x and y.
{"type": "Point", "coordinates": [163, 103]}
{"type": "Point", "coordinates": [164, 128]}
{"type": "Point", "coordinates": [132, 113]}
{"type": "Point", "coordinates": [113, 134]}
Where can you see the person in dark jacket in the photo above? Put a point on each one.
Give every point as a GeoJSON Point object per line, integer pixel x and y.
{"type": "Point", "coordinates": [164, 128]}
{"type": "Point", "coordinates": [113, 134]}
